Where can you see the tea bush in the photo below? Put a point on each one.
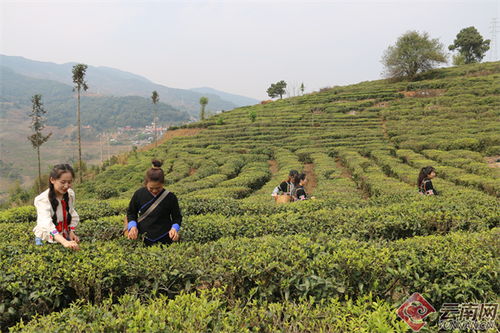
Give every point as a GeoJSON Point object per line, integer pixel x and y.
{"type": "Point", "coordinates": [341, 262]}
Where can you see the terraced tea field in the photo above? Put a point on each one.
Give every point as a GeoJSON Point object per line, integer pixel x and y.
{"type": "Point", "coordinates": [343, 262]}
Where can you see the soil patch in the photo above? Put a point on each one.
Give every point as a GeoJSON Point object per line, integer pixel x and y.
{"type": "Point", "coordinates": [482, 73]}
{"type": "Point", "coordinates": [381, 105]}
{"type": "Point", "coordinates": [312, 180]}
{"type": "Point", "coordinates": [273, 166]}
{"type": "Point", "coordinates": [493, 161]}
{"type": "Point", "coordinates": [423, 93]}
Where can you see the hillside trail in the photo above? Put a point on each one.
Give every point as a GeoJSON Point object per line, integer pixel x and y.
{"type": "Point", "coordinates": [384, 129]}
{"type": "Point", "coordinates": [172, 134]}
{"type": "Point", "coordinates": [273, 167]}
{"type": "Point", "coordinates": [345, 173]}
{"type": "Point", "coordinates": [312, 180]}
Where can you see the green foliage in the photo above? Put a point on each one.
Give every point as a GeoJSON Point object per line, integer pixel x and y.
{"type": "Point", "coordinates": [267, 269]}
{"type": "Point", "coordinates": [342, 262]}
{"type": "Point", "coordinates": [458, 59]}
{"type": "Point", "coordinates": [470, 45]}
{"type": "Point", "coordinates": [109, 112]}
{"type": "Point", "coordinates": [220, 120]}
{"type": "Point", "coordinates": [37, 139]}
{"type": "Point", "coordinates": [79, 72]}
{"type": "Point", "coordinates": [252, 115]}
{"type": "Point", "coordinates": [155, 98]}
{"type": "Point", "coordinates": [203, 103]}
{"type": "Point", "coordinates": [105, 192]}
{"type": "Point", "coordinates": [18, 215]}
{"type": "Point", "coordinates": [489, 185]}
{"type": "Point", "coordinates": [277, 89]}
{"type": "Point", "coordinates": [413, 53]}
{"type": "Point", "coordinates": [209, 311]}
{"type": "Point", "coordinates": [38, 122]}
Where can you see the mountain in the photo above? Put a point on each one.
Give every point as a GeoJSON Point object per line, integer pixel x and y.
{"type": "Point", "coordinates": [110, 81]}
{"type": "Point", "coordinates": [18, 88]}
{"type": "Point", "coordinates": [100, 112]}
{"type": "Point", "coordinates": [235, 99]}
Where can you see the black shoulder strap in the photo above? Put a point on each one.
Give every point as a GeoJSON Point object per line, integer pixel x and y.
{"type": "Point", "coordinates": [153, 206]}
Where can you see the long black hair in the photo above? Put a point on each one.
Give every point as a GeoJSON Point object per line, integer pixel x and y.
{"type": "Point", "coordinates": [56, 173]}
{"type": "Point", "coordinates": [291, 176]}
{"type": "Point", "coordinates": [298, 178]}
{"type": "Point", "coordinates": [424, 173]}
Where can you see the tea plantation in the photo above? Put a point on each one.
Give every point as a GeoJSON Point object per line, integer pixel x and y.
{"type": "Point", "coordinates": [343, 262]}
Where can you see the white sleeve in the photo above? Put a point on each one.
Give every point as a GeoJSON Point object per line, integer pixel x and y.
{"type": "Point", "coordinates": [75, 218]}
{"type": "Point", "coordinates": [276, 190]}
{"type": "Point", "coordinates": [44, 225]}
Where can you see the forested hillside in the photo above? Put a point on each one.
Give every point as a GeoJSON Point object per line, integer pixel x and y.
{"type": "Point", "coordinates": [101, 112]}
{"type": "Point", "coordinates": [342, 262]}
{"type": "Point", "coordinates": [105, 81]}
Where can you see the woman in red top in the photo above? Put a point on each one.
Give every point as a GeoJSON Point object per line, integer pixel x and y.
{"type": "Point", "coordinates": [56, 216]}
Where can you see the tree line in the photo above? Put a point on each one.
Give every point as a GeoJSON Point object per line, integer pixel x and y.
{"type": "Point", "coordinates": [416, 53]}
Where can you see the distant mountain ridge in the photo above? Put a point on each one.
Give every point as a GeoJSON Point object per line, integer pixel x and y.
{"type": "Point", "coordinates": [233, 98]}
{"type": "Point", "coordinates": [110, 81]}
{"type": "Point", "coordinates": [100, 112]}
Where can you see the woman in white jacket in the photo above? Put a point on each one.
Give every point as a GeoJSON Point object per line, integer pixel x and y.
{"type": "Point", "coordinates": [55, 208]}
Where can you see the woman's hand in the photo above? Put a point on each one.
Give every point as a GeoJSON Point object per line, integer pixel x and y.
{"type": "Point", "coordinates": [173, 234]}
{"type": "Point", "coordinates": [74, 237]}
{"type": "Point", "coordinates": [71, 245]}
{"type": "Point", "coordinates": [133, 233]}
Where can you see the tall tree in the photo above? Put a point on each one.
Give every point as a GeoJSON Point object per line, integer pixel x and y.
{"type": "Point", "coordinates": [302, 88]}
{"type": "Point", "coordinates": [155, 98]}
{"type": "Point", "coordinates": [470, 45]}
{"type": "Point", "coordinates": [203, 103]}
{"type": "Point", "coordinates": [37, 125]}
{"type": "Point", "coordinates": [277, 89]}
{"type": "Point", "coordinates": [413, 53]}
{"type": "Point", "coordinates": [80, 84]}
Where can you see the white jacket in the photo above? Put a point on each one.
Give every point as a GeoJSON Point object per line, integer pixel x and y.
{"type": "Point", "coordinates": [44, 226]}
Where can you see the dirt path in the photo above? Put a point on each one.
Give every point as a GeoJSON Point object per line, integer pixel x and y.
{"type": "Point", "coordinates": [273, 166]}
{"type": "Point", "coordinates": [312, 180]}
{"type": "Point", "coordinates": [493, 161]}
{"type": "Point", "coordinates": [344, 173]}
{"type": "Point", "coordinates": [384, 129]}
{"type": "Point", "coordinates": [172, 134]}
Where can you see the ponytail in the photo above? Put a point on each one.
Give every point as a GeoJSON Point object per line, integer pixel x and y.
{"type": "Point", "coordinates": [155, 173]}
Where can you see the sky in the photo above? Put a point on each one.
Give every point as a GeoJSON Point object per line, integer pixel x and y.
{"type": "Point", "coordinates": [238, 46]}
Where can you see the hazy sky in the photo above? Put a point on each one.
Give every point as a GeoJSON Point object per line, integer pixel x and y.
{"type": "Point", "coordinates": [236, 46]}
